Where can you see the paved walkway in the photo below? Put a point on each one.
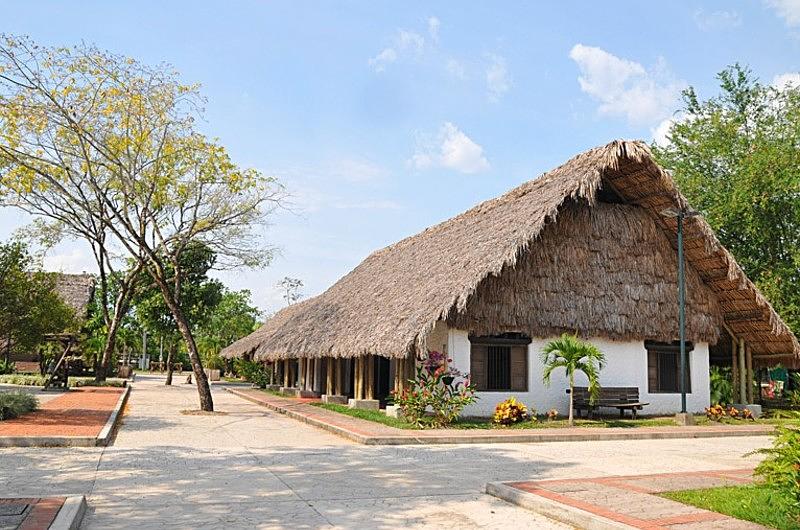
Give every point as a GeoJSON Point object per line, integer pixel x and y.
{"type": "Point", "coordinates": [79, 412]}
{"type": "Point", "coordinates": [373, 433]}
{"type": "Point", "coordinates": [254, 468]}
{"type": "Point", "coordinates": [633, 500]}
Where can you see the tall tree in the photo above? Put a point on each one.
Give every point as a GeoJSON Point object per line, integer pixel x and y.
{"type": "Point", "coordinates": [81, 122]}
{"type": "Point", "coordinates": [291, 289]}
{"type": "Point", "coordinates": [30, 308]}
{"type": "Point", "coordinates": [736, 157]}
{"type": "Point", "coordinates": [198, 298]}
{"type": "Point", "coordinates": [233, 318]}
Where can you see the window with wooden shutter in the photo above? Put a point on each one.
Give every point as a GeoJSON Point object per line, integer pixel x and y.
{"type": "Point", "coordinates": [664, 367]}
{"type": "Point", "coordinates": [500, 363]}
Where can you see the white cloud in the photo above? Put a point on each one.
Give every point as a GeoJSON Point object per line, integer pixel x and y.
{"type": "Point", "coordinates": [788, 10]}
{"type": "Point", "coordinates": [716, 20]}
{"type": "Point", "coordinates": [498, 80]}
{"type": "Point", "coordinates": [787, 80]}
{"type": "Point", "coordinates": [405, 43]}
{"type": "Point", "coordinates": [455, 68]}
{"type": "Point", "coordinates": [451, 149]}
{"type": "Point", "coordinates": [624, 87]}
{"type": "Point", "coordinates": [433, 28]}
{"type": "Point", "coordinates": [72, 257]}
{"type": "Point", "coordinates": [384, 58]}
{"type": "Point", "coordinates": [410, 41]}
{"type": "Point", "coordinates": [357, 170]}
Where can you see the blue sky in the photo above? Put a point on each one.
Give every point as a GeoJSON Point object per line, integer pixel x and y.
{"type": "Point", "coordinates": [384, 118]}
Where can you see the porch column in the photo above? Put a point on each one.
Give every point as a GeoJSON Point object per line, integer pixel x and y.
{"type": "Point", "coordinates": [359, 379]}
{"type": "Point", "coordinates": [286, 370]}
{"type": "Point", "coordinates": [749, 362]}
{"type": "Point", "coordinates": [310, 373]}
{"type": "Point", "coordinates": [734, 367]}
{"type": "Point", "coordinates": [742, 373]}
{"type": "Point", "coordinates": [339, 376]}
{"type": "Point", "coordinates": [371, 377]}
{"type": "Point", "coordinates": [272, 373]}
{"type": "Point", "coordinates": [329, 376]}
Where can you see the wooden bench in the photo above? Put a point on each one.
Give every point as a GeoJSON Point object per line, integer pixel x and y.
{"type": "Point", "coordinates": [621, 398]}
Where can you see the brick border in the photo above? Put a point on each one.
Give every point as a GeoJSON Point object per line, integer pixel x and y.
{"type": "Point", "coordinates": [371, 433]}
{"type": "Point", "coordinates": [51, 513]}
{"type": "Point", "coordinates": [534, 496]}
{"type": "Point", "coordinates": [102, 439]}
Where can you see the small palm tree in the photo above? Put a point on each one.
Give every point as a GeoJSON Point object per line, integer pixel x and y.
{"type": "Point", "coordinates": [574, 355]}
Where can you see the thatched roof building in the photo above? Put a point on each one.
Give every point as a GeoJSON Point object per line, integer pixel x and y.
{"type": "Point", "coordinates": [581, 248]}
{"type": "Point", "coordinates": [76, 290]}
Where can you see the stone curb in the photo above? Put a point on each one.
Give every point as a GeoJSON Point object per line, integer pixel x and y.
{"type": "Point", "coordinates": [422, 438]}
{"type": "Point", "coordinates": [108, 430]}
{"type": "Point", "coordinates": [71, 514]}
{"type": "Point", "coordinates": [101, 439]}
{"type": "Point", "coordinates": [552, 509]}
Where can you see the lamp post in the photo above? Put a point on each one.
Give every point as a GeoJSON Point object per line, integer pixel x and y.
{"type": "Point", "coordinates": [680, 215]}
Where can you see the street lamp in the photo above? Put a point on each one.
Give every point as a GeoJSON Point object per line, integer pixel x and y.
{"type": "Point", "coordinates": [680, 215]}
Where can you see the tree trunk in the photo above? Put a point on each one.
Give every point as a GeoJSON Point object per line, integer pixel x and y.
{"type": "Point", "coordinates": [571, 399]}
{"type": "Point", "coordinates": [120, 308]}
{"type": "Point", "coordinates": [170, 358]}
{"type": "Point", "coordinates": [203, 389]}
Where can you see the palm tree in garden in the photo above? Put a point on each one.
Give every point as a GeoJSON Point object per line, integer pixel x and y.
{"type": "Point", "coordinates": [574, 355]}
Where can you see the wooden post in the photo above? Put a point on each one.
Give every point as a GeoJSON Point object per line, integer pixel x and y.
{"type": "Point", "coordinates": [329, 379]}
{"type": "Point", "coordinates": [749, 362]}
{"type": "Point", "coordinates": [742, 373]}
{"type": "Point", "coordinates": [371, 377]}
{"type": "Point", "coordinates": [301, 373]}
{"type": "Point", "coordinates": [286, 371]}
{"type": "Point", "coordinates": [734, 367]}
{"type": "Point", "coordinates": [357, 378]}
{"type": "Point", "coordinates": [311, 373]}
{"type": "Point", "coordinates": [339, 376]}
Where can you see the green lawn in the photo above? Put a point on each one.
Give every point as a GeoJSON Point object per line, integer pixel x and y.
{"type": "Point", "coordinates": [480, 423]}
{"type": "Point", "coordinates": [755, 503]}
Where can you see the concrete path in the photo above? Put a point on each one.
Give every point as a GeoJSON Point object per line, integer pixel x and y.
{"type": "Point", "coordinates": [253, 468]}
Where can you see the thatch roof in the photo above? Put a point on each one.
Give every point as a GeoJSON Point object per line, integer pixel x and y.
{"type": "Point", "coordinates": [389, 303]}
{"type": "Point", "coordinates": [76, 290]}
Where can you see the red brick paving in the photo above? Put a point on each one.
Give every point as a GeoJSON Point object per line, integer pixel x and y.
{"type": "Point", "coordinates": [79, 412]}
{"type": "Point", "coordinates": [585, 495]}
{"type": "Point", "coordinates": [42, 513]}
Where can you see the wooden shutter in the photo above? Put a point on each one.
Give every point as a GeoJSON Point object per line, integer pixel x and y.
{"type": "Point", "coordinates": [477, 365]}
{"type": "Point", "coordinates": [519, 368]}
{"type": "Point", "coordinates": [652, 371]}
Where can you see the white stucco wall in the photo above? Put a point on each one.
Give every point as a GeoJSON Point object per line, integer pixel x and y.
{"type": "Point", "coordinates": [626, 365]}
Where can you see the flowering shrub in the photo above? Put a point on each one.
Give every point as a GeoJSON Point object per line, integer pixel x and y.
{"type": "Point", "coordinates": [552, 415]}
{"type": "Point", "coordinates": [510, 411]}
{"type": "Point", "coordinates": [718, 413]}
{"type": "Point", "coordinates": [435, 387]}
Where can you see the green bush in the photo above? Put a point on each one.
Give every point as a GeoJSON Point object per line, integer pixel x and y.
{"type": "Point", "coordinates": [89, 381]}
{"type": "Point", "coordinates": [23, 379]}
{"type": "Point", "coordinates": [720, 385]}
{"type": "Point", "coordinates": [780, 470]}
{"type": "Point", "coordinates": [17, 403]}
{"type": "Point", "coordinates": [254, 372]}
{"type": "Point", "coordinates": [6, 367]}
{"type": "Point", "coordinates": [215, 362]}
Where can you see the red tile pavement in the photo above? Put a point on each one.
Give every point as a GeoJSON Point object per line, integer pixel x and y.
{"type": "Point", "coordinates": [42, 512]}
{"type": "Point", "coordinates": [370, 432]}
{"type": "Point", "coordinates": [79, 412]}
{"type": "Point", "coordinates": [625, 500]}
